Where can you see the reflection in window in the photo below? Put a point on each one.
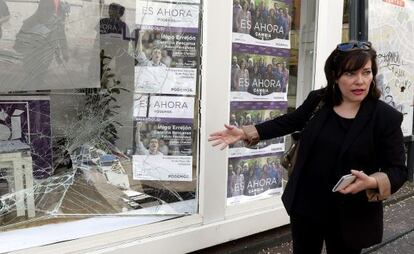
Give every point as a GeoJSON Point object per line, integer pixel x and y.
{"type": "Point", "coordinates": [345, 21]}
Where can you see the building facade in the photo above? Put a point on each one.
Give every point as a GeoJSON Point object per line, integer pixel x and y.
{"type": "Point", "coordinates": [106, 108]}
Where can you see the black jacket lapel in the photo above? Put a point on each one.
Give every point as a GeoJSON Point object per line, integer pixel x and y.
{"type": "Point", "coordinates": [362, 118]}
{"type": "Point", "coordinates": [310, 133]}
{"type": "Point", "coordinates": [316, 124]}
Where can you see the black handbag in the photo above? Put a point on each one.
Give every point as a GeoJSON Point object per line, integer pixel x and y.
{"type": "Point", "coordinates": [289, 158]}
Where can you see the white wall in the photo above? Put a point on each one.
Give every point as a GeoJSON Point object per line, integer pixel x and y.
{"type": "Point", "coordinates": [329, 27]}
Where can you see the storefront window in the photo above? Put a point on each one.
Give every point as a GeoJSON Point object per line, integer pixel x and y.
{"type": "Point", "coordinates": [98, 109]}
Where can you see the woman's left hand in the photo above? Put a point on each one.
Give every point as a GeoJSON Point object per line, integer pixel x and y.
{"type": "Point", "coordinates": [362, 182]}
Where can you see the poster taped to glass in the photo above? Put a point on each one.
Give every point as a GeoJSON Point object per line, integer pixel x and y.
{"type": "Point", "coordinates": [252, 178]}
{"type": "Point", "coordinates": [262, 22]}
{"type": "Point", "coordinates": [259, 73]}
{"type": "Point", "coordinates": [165, 61]}
{"type": "Point", "coordinates": [251, 113]}
{"type": "Point", "coordinates": [162, 149]}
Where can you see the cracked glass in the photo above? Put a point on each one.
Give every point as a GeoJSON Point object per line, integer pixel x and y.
{"type": "Point", "coordinates": [98, 109]}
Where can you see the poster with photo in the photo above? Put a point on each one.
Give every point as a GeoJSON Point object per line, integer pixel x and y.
{"type": "Point", "coordinates": [259, 73]}
{"type": "Point", "coordinates": [262, 22]}
{"type": "Point", "coordinates": [162, 149]}
{"type": "Point", "coordinates": [27, 120]}
{"type": "Point", "coordinates": [251, 113]}
{"type": "Point", "coordinates": [50, 45]}
{"type": "Point", "coordinates": [166, 39]}
{"type": "Point", "coordinates": [253, 178]}
{"type": "Point", "coordinates": [163, 137]}
{"type": "Point", "coordinates": [178, 46]}
{"type": "Point", "coordinates": [390, 31]}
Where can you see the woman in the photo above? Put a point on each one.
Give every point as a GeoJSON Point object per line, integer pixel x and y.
{"type": "Point", "coordinates": [353, 132]}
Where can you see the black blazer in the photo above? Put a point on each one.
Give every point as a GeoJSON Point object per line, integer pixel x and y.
{"type": "Point", "coordinates": [374, 143]}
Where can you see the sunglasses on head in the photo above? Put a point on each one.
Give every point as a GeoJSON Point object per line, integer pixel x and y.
{"type": "Point", "coordinates": [354, 45]}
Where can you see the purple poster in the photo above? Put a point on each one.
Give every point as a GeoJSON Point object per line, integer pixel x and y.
{"type": "Point", "coordinates": [259, 73]}
{"type": "Point", "coordinates": [262, 22]}
{"type": "Point", "coordinates": [253, 177]}
{"type": "Point", "coordinates": [27, 120]}
{"type": "Point", "coordinates": [251, 113]}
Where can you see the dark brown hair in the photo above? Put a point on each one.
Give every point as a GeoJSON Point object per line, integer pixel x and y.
{"type": "Point", "coordinates": [340, 62]}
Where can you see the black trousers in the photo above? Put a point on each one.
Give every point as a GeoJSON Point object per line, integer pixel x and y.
{"type": "Point", "coordinates": [308, 236]}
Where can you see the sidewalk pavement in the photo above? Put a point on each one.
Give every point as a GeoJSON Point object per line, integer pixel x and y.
{"type": "Point", "coordinates": [398, 232]}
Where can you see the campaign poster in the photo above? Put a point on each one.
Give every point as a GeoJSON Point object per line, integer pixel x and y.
{"type": "Point", "coordinates": [27, 120]}
{"type": "Point", "coordinates": [163, 137]}
{"type": "Point", "coordinates": [166, 40]}
{"type": "Point", "coordinates": [252, 113]}
{"type": "Point", "coordinates": [48, 45]}
{"type": "Point", "coordinates": [178, 46]}
{"type": "Point", "coordinates": [262, 22]}
{"type": "Point", "coordinates": [167, 14]}
{"type": "Point", "coordinates": [259, 73]}
{"type": "Point", "coordinates": [162, 149]}
{"type": "Point", "coordinates": [254, 177]}
{"type": "Point", "coordinates": [390, 31]}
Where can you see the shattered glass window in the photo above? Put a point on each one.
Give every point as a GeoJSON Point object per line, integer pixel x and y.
{"type": "Point", "coordinates": [98, 109]}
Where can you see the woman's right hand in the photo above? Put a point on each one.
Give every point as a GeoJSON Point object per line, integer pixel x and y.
{"type": "Point", "coordinates": [230, 135]}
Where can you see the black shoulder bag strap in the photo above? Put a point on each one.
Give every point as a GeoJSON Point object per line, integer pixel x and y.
{"type": "Point", "coordinates": [288, 159]}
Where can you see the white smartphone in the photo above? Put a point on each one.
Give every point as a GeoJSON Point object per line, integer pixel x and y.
{"type": "Point", "coordinates": [344, 182]}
